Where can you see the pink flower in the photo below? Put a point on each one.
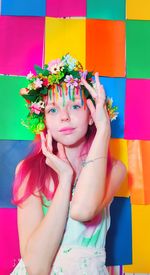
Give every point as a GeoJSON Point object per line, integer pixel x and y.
{"type": "Point", "coordinates": [55, 66]}
{"type": "Point", "coordinates": [71, 82]}
{"type": "Point", "coordinates": [38, 83]}
{"type": "Point", "coordinates": [30, 75]}
{"type": "Point", "coordinates": [35, 108]}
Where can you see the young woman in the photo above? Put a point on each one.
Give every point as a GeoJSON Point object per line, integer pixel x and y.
{"type": "Point", "coordinates": [64, 188]}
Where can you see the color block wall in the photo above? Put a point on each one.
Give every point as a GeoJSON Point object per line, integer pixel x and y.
{"type": "Point", "coordinates": [111, 37]}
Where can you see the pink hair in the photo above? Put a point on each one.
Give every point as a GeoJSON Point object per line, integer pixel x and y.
{"type": "Point", "coordinates": [39, 174]}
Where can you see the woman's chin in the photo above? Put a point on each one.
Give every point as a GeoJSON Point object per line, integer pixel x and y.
{"type": "Point", "coordinates": [68, 142]}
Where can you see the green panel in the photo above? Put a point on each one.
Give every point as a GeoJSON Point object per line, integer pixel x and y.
{"type": "Point", "coordinates": [106, 9]}
{"type": "Point", "coordinates": [138, 48]}
{"type": "Point", "coordinates": [12, 109]}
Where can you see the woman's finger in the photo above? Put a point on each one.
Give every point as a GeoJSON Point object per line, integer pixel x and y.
{"type": "Point", "coordinates": [61, 151]}
{"type": "Point", "coordinates": [49, 141]}
{"type": "Point", "coordinates": [91, 106]}
{"type": "Point", "coordinates": [102, 92]}
{"type": "Point", "coordinates": [43, 144]}
{"type": "Point", "coordinates": [42, 136]}
{"type": "Point", "coordinates": [97, 81]}
{"type": "Point", "coordinates": [89, 88]}
{"type": "Point", "coordinates": [43, 140]}
{"type": "Point", "coordinates": [100, 89]}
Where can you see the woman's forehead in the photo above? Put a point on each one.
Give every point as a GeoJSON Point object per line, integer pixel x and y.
{"type": "Point", "coordinates": [65, 99]}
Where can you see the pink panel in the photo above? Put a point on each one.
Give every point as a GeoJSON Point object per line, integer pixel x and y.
{"type": "Point", "coordinates": [9, 243]}
{"type": "Point", "coordinates": [137, 111]}
{"type": "Point", "coordinates": [64, 8]}
{"type": "Point", "coordinates": [21, 44]}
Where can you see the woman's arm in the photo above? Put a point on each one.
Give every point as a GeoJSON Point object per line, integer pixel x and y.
{"type": "Point", "coordinates": [91, 185]}
{"type": "Point", "coordinates": [94, 190]}
{"type": "Point", "coordinates": [40, 236]}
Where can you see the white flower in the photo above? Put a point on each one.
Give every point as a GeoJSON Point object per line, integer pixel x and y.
{"type": "Point", "coordinates": [30, 75]}
{"type": "Point", "coordinates": [55, 66]}
{"type": "Point", "coordinates": [41, 104]}
{"type": "Point", "coordinates": [70, 61]}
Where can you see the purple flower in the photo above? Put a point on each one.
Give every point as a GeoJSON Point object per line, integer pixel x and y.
{"type": "Point", "coordinates": [83, 74]}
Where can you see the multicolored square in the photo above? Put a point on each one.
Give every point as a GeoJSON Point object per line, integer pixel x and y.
{"type": "Point", "coordinates": [111, 37]}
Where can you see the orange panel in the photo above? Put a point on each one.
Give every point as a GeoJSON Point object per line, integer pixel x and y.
{"type": "Point", "coordinates": [139, 171]}
{"type": "Point", "coordinates": [118, 149]}
{"type": "Point", "coordinates": [105, 47]}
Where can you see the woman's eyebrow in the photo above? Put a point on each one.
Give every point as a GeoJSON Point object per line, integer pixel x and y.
{"type": "Point", "coordinates": [67, 103]}
{"type": "Point", "coordinates": [51, 103]}
{"type": "Point", "coordinates": [77, 100]}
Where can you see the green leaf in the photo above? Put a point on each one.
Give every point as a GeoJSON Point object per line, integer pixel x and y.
{"type": "Point", "coordinates": [89, 75]}
{"type": "Point", "coordinates": [45, 66]}
{"type": "Point", "coordinates": [34, 92]}
{"type": "Point", "coordinates": [75, 74]}
{"type": "Point", "coordinates": [43, 91]}
{"type": "Point", "coordinates": [31, 98]}
{"type": "Point", "coordinates": [45, 72]}
{"type": "Point", "coordinates": [38, 69]}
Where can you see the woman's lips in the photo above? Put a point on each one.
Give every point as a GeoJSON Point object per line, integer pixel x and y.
{"type": "Point", "coordinates": [66, 130]}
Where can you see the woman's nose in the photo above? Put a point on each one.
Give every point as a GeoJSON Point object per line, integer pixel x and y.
{"type": "Point", "coordinates": [65, 115]}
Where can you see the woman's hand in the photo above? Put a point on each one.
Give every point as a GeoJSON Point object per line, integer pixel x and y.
{"type": "Point", "coordinates": [60, 164]}
{"type": "Point", "coordinates": [98, 112]}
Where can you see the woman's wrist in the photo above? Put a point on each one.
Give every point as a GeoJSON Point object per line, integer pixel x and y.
{"type": "Point", "coordinates": [99, 147]}
{"type": "Point", "coordinates": [103, 133]}
{"type": "Point", "coordinates": [66, 177]}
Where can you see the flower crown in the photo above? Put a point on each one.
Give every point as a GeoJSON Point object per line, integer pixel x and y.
{"type": "Point", "coordinates": [60, 77]}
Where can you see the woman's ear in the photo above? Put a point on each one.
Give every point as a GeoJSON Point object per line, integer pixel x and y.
{"type": "Point", "coordinates": [90, 120]}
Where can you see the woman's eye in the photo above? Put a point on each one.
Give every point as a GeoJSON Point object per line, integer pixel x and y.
{"type": "Point", "coordinates": [52, 110]}
{"type": "Point", "coordinates": [76, 106]}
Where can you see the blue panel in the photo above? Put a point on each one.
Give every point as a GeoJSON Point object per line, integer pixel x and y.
{"type": "Point", "coordinates": [11, 152]}
{"type": "Point", "coordinates": [119, 237]}
{"type": "Point", "coordinates": [0, 6]}
{"type": "Point", "coordinates": [24, 7]}
{"type": "Point", "coordinates": [115, 88]}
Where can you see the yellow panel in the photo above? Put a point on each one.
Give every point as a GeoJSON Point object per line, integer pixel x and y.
{"type": "Point", "coordinates": [140, 240]}
{"type": "Point", "coordinates": [65, 36]}
{"type": "Point", "coordinates": [138, 9]}
{"type": "Point", "coordinates": [118, 149]}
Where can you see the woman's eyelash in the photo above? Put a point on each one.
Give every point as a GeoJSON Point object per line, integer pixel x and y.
{"type": "Point", "coordinates": [51, 110]}
{"type": "Point", "coordinates": [76, 105]}
{"type": "Point", "coordinates": [54, 109]}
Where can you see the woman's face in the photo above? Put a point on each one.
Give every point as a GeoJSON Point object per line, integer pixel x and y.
{"type": "Point", "coordinates": [67, 124]}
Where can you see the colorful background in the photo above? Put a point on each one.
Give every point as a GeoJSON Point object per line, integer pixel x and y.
{"type": "Point", "coordinates": [112, 37]}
